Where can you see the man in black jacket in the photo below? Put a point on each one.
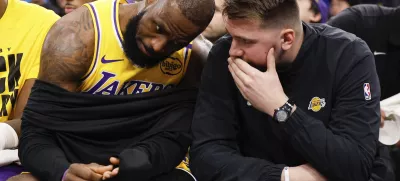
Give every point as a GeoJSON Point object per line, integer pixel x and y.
{"type": "Point", "coordinates": [379, 27]}
{"type": "Point", "coordinates": [283, 100]}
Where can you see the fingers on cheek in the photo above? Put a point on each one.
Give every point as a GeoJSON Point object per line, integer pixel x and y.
{"type": "Point", "coordinates": [249, 82]}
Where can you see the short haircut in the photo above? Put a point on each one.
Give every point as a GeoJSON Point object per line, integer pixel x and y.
{"type": "Point", "coordinates": [270, 12]}
{"type": "Point", "coordinates": [200, 12]}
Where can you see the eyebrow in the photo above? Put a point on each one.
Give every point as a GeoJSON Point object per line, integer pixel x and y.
{"type": "Point", "coordinates": [240, 37]}
{"type": "Point", "coordinates": [163, 25]}
{"type": "Point", "coordinates": [244, 38]}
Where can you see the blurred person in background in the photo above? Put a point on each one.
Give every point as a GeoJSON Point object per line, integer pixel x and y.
{"type": "Point", "coordinates": [379, 27]}
{"type": "Point", "coordinates": [23, 28]}
{"type": "Point", "coordinates": [313, 11]}
{"type": "Point", "coordinates": [58, 6]}
{"type": "Point", "coordinates": [46, 4]}
{"type": "Point", "coordinates": [71, 5]}
{"type": "Point", "coordinates": [338, 6]}
{"type": "Point", "coordinates": [216, 29]}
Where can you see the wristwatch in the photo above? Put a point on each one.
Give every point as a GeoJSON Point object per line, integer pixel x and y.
{"type": "Point", "coordinates": [283, 113]}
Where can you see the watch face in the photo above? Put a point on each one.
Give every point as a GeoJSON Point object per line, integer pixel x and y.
{"type": "Point", "coordinates": [281, 115]}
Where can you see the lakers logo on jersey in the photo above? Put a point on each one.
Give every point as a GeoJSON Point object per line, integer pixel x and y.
{"type": "Point", "coordinates": [107, 85]}
{"type": "Point", "coordinates": [171, 66]}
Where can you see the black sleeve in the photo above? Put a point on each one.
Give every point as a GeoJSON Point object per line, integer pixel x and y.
{"type": "Point", "coordinates": [214, 155]}
{"type": "Point", "coordinates": [158, 153]}
{"type": "Point", "coordinates": [39, 153]}
{"type": "Point", "coordinates": [347, 20]}
{"type": "Point", "coordinates": [346, 147]}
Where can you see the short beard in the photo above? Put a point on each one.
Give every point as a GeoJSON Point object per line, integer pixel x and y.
{"type": "Point", "coordinates": [132, 50]}
{"type": "Point", "coordinates": [280, 65]}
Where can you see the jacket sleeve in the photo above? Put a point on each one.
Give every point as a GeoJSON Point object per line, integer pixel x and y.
{"type": "Point", "coordinates": [158, 153]}
{"type": "Point", "coordinates": [214, 155]}
{"type": "Point", "coordinates": [39, 153]}
{"type": "Point", "coordinates": [347, 20]}
{"type": "Point", "coordinates": [345, 148]}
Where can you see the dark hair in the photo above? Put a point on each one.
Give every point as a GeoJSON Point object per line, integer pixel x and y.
{"type": "Point", "coordinates": [200, 12]}
{"type": "Point", "coordinates": [319, 7]}
{"type": "Point", "coordinates": [314, 7]}
{"type": "Point", "coordinates": [270, 12]}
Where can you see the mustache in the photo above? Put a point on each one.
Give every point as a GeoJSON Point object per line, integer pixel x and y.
{"type": "Point", "coordinates": [148, 49]}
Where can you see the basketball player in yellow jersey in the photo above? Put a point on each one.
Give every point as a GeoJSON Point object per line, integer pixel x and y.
{"type": "Point", "coordinates": [23, 28]}
{"type": "Point", "coordinates": [108, 48]}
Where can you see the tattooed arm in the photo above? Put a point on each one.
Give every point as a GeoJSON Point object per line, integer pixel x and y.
{"type": "Point", "coordinates": [66, 56]}
{"type": "Point", "coordinates": [68, 50]}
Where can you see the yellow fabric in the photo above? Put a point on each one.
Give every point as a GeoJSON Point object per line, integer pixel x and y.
{"type": "Point", "coordinates": [23, 29]}
{"type": "Point", "coordinates": [122, 77]}
{"type": "Point", "coordinates": [185, 163]}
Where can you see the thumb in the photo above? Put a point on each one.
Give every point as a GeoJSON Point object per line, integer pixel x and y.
{"type": "Point", "coordinates": [271, 60]}
{"type": "Point", "coordinates": [114, 161]}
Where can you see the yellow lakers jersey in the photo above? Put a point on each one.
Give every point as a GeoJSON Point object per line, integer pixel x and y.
{"type": "Point", "coordinates": [112, 73]}
{"type": "Point", "coordinates": [23, 29]}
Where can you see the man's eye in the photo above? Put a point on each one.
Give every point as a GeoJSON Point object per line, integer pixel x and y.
{"type": "Point", "coordinates": [244, 41]}
{"type": "Point", "coordinates": [159, 29]}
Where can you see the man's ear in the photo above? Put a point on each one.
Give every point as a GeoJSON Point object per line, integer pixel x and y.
{"type": "Point", "coordinates": [316, 18]}
{"type": "Point", "coordinates": [287, 38]}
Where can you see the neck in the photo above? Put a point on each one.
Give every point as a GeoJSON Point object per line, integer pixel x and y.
{"type": "Point", "coordinates": [127, 12]}
{"type": "Point", "coordinates": [3, 7]}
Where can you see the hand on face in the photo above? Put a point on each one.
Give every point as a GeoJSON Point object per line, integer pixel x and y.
{"type": "Point", "coordinates": [262, 89]}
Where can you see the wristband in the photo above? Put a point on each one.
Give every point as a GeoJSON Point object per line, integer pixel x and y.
{"type": "Point", "coordinates": [286, 172]}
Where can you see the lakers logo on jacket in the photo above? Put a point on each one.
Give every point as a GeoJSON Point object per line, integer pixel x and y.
{"type": "Point", "coordinates": [316, 104]}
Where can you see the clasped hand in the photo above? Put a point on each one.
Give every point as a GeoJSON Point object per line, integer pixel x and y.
{"type": "Point", "coordinates": [91, 172]}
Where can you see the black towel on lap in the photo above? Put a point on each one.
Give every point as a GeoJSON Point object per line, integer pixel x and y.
{"type": "Point", "coordinates": [92, 128]}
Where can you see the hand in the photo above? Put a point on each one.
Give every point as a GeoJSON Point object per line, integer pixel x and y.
{"type": "Point", "coordinates": [23, 177]}
{"type": "Point", "coordinates": [305, 173]}
{"type": "Point", "coordinates": [262, 89]}
{"type": "Point", "coordinates": [114, 172]}
{"type": "Point", "coordinates": [383, 116]}
{"type": "Point", "coordinates": [90, 172]}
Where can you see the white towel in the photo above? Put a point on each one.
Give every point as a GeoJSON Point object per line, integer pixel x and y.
{"type": "Point", "coordinates": [8, 156]}
{"type": "Point", "coordinates": [390, 133]}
